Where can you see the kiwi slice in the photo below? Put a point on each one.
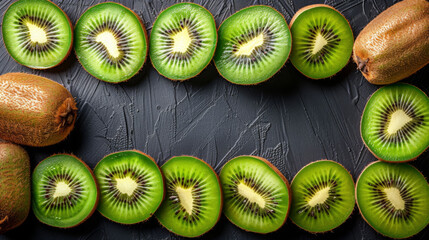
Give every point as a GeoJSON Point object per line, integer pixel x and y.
{"type": "Point", "coordinates": [322, 41]}
{"type": "Point", "coordinates": [393, 199]}
{"type": "Point", "coordinates": [256, 194]}
{"type": "Point", "coordinates": [323, 196]}
{"type": "Point", "coordinates": [111, 42]}
{"type": "Point", "coordinates": [183, 41]}
{"type": "Point", "coordinates": [131, 186]}
{"type": "Point", "coordinates": [395, 123]}
{"type": "Point", "coordinates": [194, 198]}
{"type": "Point", "coordinates": [64, 191]}
{"type": "Point", "coordinates": [254, 43]}
{"type": "Point", "coordinates": [37, 33]}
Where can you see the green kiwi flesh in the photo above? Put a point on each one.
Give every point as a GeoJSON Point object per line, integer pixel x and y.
{"type": "Point", "coordinates": [64, 191]}
{"type": "Point", "coordinates": [256, 194]}
{"type": "Point", "coordinates": [131, 186]}
{"type": "Point", "coordinates": [193, 202]}
{"type": "Point", "coordinates": [393, 199]}
{"type": "Point", "coordinates": [395, 123]}
{"type": "Point", "coordinates": [14, 186]}
{"type": "Point", "coordinates": [37, 33]}
{"type": "Point", "coordinates": [254, 43]}
{"type": "Point", "coordinates": [183, 41]}
{"type": "Point", "coordinates": [322, 41]}
{"type": "Point", "coordinates": [323, 196]}
{"type": "Point", "coordinates": [111, 42]}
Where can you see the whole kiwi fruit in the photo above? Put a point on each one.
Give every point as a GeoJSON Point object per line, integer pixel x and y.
{"type": "Point", "coordinates": [14, 186]}
{"type": "Point", "coordinates": [34, 110]}
{"type": "Point", "coordinates": [395, 44]}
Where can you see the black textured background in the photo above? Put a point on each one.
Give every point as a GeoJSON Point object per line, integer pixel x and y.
{"type": "Point", "coordinates": [290, 120]}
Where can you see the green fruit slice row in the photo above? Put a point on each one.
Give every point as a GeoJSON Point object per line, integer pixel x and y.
{"type": "Point", "coordinates": [254, 43]}
{"type": "Point", "coordinates": [323, 196]}
{"type": "Point", "coordinates": [322, 41]}
{"type": "Point", "coordinates": [111, 42]}
{"type": "Point", "coordinates": [64, 191]}
{"type": "Point", "coordinates": [395, 123]}
{"type": "Point", "coordinates": [193, 202]}
{"type": "Point", "coordinates": [183, 41]}
{"type": "Point", "coordinates": [393, 199]}
{"type": "Point", "coordinates": [131, 186]}
{"type": "Point", "coordinates": [37, 33]}
{"type": "Point", "coordinates": [256, 195]}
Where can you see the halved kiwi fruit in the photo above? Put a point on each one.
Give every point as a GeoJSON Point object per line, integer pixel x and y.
{"type": "Point", "coordinates": [256, 194]}
{"type": "Point", "coordinates": [322, 41]}
{"type": "Point", "coordinates": [183, 41]}
{"type": "Point", "coordinates": [254, 43]}
{"type": "Point", "coordinates": [395, 123]}
{"type": "Point", "coordinates": [393, 199]}
{"type": "Point", "coordinates": [131, 186]}
{"type": "Point", "coordinates": [64, 191]}
{"type": "Point", "coordinates": [111, 42]}
{"type": "Point", "coordinates": [193, 202]}
{"type": "Point", "coordinates": [323, 196]}
{"type": "Point", "coordinates": [37, 33]}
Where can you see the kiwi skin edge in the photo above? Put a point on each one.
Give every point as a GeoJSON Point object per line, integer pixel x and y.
{"type": "Point", "coordinates": [163, 183]}
{"type": "Point", "coordinates": [96, 184]}
{"type": "Point", "coordinates": [276, 170]}
{"type": "Point", "coordinates": [360, 129]}
{"type": "Point", "coordinates": [15, 185]}
{"type": "Point", "coordinates": [47, 111]}
{"type": "Point", "coordinates": [309, 7]}
{"type": "Point", "coordinates": [145, 36]}
{"type": "Point", "coordinates": [220, 190]}
{"type": "Point", "coordinates": [359, 207]}
{"type": "Point", "coordinates": [353, 185]}
{"type": "Point", "coordinates": [291, 46]}
{"type": "Point", "coordinates": [214, 50]}
{"type": "Point", "coordinates": [71, 40]}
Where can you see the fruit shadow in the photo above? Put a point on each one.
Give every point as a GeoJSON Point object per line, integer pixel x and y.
{"type": "Point", "coordinates": [66, 65]}
{"type": "Point", "coordinates": [287, 80]}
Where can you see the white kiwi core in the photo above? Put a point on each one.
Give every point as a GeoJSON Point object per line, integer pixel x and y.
{"type": "Point", "coordinates": [37, 34]}
{"type": "Point", "coordinates": [62, 189]}
{"type": "Point", "coordinates": [186, 198]}
{"type": "Point", "coordinates": [319, 43]}
{"type": "Point", "coordinates": [181, 41]}
{"type": "Point", "coordinates": [394, 196]}
{"type": "Point", "coordinates": [248, 47]}
{"type": "Point", "coordinates": [126, 185]}
{"type": "Point", "coordinates": [398, 120]}
{"type": "Point", "coordinates": [319, 197]}
{"type": "Point", "coordinates": [109, 41]}
{"type": "Point", "coordinates": [251, 195]}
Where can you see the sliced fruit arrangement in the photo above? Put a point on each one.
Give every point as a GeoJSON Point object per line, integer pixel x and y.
{"type": "Point", "coordinates": [254, 43]}
{"type": "Point", "coordinates": [131, 186]}
{"type": "Point", "coordinates": [395, 44]}
{"type": "Point", "coordinates": [323, 196]}
{"type": "Point", "coordinates": [393, 199]}
{"type": "Point", "coordinates": [64, 191]}
{"type": "Point", "coordinates": [193, 203]}
{"type": "Point", "coordinates": [183, 41]}
{"type": "Point", "coordinates": [256, 194]}
{"type": "Point", "coordinates": [34, 110]}
{"type": "Point", "coordinates": [395, 123]}
{"type": "Point", "coordinates": [322, 41]}
{"type": "Point", "coordinates": [37, 33]}
{"type": "Point", "coordinates": [111, 42]}
{"type": "Point", "coordinates": [14, 186]}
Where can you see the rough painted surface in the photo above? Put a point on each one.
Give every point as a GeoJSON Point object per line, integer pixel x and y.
{"type": "Point", "coordinates": [290, 120]}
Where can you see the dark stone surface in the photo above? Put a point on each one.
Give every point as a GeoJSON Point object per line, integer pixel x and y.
{"type": "Point", "coordinates": [290, 120]}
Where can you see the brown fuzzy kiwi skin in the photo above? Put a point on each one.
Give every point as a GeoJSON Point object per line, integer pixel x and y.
{"type": "Point", "coordinates": [384, 160]}
{"type": "Point", "coordinates": [145, 36]}
{"type": "Point", "coordinates": [214, 51]}
{"type": "Point", "coordinates": [71, 40]}
{"type": "Point", "coordinates": [358, 204]}
{"type": "Point", "coordinates": [310, 7]}
{"type": "Point", "coordinates": [15, 184]}
{"type": "Point", "coordinates": [96, 184]}
{"type": "Point", "coordinates": [163, 183]}
{"type": "Point", "coordinates": [220, 190]}
{"type": "Point", "coordinates": [276, 170]}
{"type": "Point", "coordinates": [35, 111]}
{"type": "Point", "coordinates": [330, 230]}
{"type": "Point", "coordinates": [394, 45]}
{"type": "Point", "coordinates": [291, 45]}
